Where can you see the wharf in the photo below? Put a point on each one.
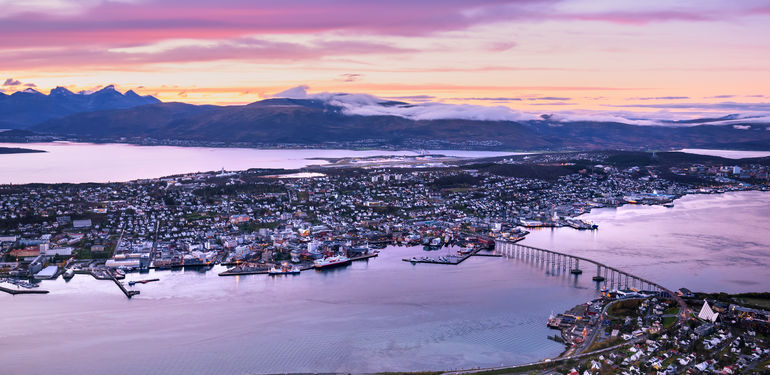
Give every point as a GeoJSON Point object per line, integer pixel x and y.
{"type": "Point", "coordinates": [22, 291]}
{"type": "Point", "coordinates": [180, 266]}
{"type": "Point", "coordinates": [233, 272]}
{"type": "Point", "coordinates": [132, 283]}
{"type": "Point", "coordinates": [128, 293]}
{"type": "Point", "coordinates": [244, 272]}
{"type": "Point", "coordinates": [365, 256]}
{"type": "Point", "coordinates": [450, 259]}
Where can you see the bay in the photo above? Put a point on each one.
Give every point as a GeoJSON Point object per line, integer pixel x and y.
{"type": "Point", "coordinates": [70, 162]}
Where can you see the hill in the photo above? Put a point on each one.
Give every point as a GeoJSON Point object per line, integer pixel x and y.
{"type": "Point", "coordinates": [315, 122]}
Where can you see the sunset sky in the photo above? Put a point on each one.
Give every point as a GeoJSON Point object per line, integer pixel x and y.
{"type": "Point", "coordinates": [550, 55]}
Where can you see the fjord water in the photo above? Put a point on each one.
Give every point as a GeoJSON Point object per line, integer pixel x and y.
{"type": "Point", "coordinates": [710, 243]}
{"type": "Point", "coordinates": [68, 162]}
{"type": "Point", "coordinates": [384, 314]}
{"type": "Point", "coordinates": [376, 315]}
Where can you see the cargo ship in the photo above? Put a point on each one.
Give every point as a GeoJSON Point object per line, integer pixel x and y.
{"type": "Point", "coordinates": [329, 262]}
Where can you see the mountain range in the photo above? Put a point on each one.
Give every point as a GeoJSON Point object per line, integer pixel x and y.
{"type": "Point", "coordinates": [23, 109]}
{"type": "Point", "coordinates": [107, 115]}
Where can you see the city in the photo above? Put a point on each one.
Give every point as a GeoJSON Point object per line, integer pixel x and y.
{"type": "Point", "coordinates": [540, 187]}
{"type": "Point", "coordinates": [278, 222]}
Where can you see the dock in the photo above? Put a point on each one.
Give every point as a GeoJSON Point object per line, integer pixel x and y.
{"type": "Point", "coordinates": [244, 272]}
{"type": "Point", "coordinates": [128, 293]}
{"type": "Point", "coordinates": [365, 256]}
{"type": "Point", "coordinates": [132, 283]}
{"type": "Point", "coordinates": [301, 268]}
{"type": "Point", "coordinates": [22, 291]}
{"type": "Point", "coordinates": [450, 259]}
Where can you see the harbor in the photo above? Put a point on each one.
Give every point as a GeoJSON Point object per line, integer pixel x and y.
{"type": "Point", "coordinates": [14, 287]}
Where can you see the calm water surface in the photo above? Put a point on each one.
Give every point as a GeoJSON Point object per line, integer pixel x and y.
{"type": "Point", "coordinates": [87, 162]}
{"type": "Point", "coordinates": [384, 314]}
{"type": "Point", "coordinates": [717, 242]}
{"type": "Point", "coordinates": [732, 154]}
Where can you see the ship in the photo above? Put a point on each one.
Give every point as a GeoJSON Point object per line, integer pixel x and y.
{"type": "Point", "coordinates": [434, 244]}
{"type": "Point", "coordinates": [69, 273]}
{"type": "Point", "coordinates": [329, 262]}
{"type": "Point", "coordinates": [284, 269]}
{"type": "Point", "coordinates": [581, 224]}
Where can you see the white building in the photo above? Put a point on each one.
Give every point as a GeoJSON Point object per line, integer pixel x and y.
{"type": "Point", "coordinates": [706, 313]}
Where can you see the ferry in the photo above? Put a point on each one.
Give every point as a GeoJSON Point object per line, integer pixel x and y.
{"type": "Point", "coordinates": [329, 262]}
{"type": "Point", "coordinates": [285, 269]}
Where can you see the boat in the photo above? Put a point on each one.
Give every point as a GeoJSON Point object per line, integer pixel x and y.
{"type": "Point", "coordinates": [329, 262]}
{"type": "Point", "coordinates": [581, 224]}
{"type": "Point", "coordinates": [434, 244]}
{"type": "Point", "coordinates": [69, 273]}
{"type": "Point", "coordinates": [134, 282]}
{"type": "Point", "coordinates": [669, 205]}
{"type": "Point", "coordinates": [284, 269]}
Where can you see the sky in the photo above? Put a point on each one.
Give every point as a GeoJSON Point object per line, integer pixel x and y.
{"type": "Point", "coordinates": [654, 57]}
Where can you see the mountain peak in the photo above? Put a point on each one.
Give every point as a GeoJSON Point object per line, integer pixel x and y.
{"type": "Point", "coordinates": [30, 107]}
{"type": "Point", "coordinates": [61, 91]}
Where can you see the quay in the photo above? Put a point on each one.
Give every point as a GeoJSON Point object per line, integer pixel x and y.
{"type": "Point", "coordinates": [259, 271]}
{"type": "Point", "coordinates": [128, 293]}
{"type": "Point", "coordinates": [450, 259]}
{"type": "Point", "coordinates": [233, 272]}
{"type": "Point", "coordinates": [22, 291]}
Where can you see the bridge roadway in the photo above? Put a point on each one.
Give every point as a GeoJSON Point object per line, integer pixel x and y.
{"type": "Point", "coordinates": [537, 254]}
{"type": "Point", "coordinates": [558, 259]}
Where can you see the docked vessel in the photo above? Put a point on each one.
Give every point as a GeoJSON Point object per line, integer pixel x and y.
{"type": "Point", "coordinates": [284, 269]}
{"type": "Point", "coordinates": [329, 262]}
{"type": "Point", "coordinates": [581, 224]}
{"type": "Point", "coordinates": [69, 273]}
{"type": "Point", "coordinates": [434, 244]}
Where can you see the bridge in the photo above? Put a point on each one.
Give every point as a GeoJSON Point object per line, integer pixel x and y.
{"type": "Point", "coordinates": [611, 277]}
{"type": "Point", "coordinates": [558, 261]}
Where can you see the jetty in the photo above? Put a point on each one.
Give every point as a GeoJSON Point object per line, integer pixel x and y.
{"type": "Point", "coordinates": [13, 291]}
{"type": "Point", "coordinates": [128, 293]}
{"type": "Point", "coordinates": [448, 259]}
{"type": "Point", "coordinates": [305, 267]}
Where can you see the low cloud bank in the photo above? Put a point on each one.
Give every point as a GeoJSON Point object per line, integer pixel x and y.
{"type": "Point", "coordinates": [423, 109]}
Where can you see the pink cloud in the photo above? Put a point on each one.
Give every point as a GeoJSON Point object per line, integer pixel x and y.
{"type": "Point", "coordinates": [124, 23]}
{"type": "Point", "coordinates": [241, 49]}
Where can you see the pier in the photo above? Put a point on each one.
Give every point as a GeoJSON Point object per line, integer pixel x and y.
{"type": "Point", "coordinates": [128, 293]}
{"type": "Point", "coordinates": [22, 291]}
{"type": "Point", "coordinates": [450, 259]}
{"type": "Point", "coordinates": [233, 272]}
